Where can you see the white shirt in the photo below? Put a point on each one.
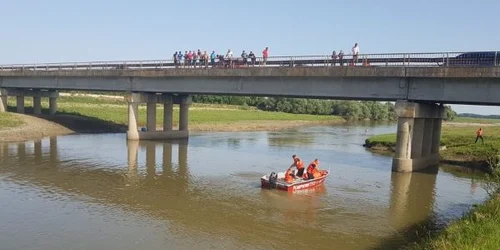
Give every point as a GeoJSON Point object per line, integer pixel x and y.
{"type": "Point", "coordinates": [355, 50]}
{"type": "Point", "coordinates": [229, 55]}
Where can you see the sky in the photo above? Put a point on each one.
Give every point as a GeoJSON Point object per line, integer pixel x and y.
{"type": "Point", "coordinates": [68, 31]}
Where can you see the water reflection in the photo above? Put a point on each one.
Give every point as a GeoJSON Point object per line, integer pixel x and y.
{"type": "Point", "coordinates": [211, 190]}
{"type": "Point", "coordinates": [412, 194]}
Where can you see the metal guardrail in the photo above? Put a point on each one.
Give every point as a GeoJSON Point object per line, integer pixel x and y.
{"type": "Point", "coordinates": [440, 59]}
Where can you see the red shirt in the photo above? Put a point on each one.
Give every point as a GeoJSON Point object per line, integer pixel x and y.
{"type": "Point", "coordinates": [265, 53]}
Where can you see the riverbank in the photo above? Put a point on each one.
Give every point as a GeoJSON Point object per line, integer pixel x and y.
{"type": "Point", "coordinates": [478, 229]}
{"type": "Point", "coordinates": [84, 114]}
{"type": "Point", "coordinates": [458, 145]}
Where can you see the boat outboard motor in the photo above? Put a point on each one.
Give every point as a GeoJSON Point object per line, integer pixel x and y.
{"type": "Point", "coordinates": [273, 177]}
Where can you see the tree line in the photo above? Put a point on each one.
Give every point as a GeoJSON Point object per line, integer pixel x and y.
{"type": "Point", "coordinates": [349, 110]}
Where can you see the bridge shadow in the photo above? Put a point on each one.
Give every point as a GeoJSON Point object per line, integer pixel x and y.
{"type": "Point", "coordinates": [411, 209]}
{"type": "Point", "coordinates": [76, 121]}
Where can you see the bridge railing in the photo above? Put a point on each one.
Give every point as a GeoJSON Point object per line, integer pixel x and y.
{"type": "Point", "coordinates": [439, 59]}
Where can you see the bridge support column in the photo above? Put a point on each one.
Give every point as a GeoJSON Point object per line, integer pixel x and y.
{"type": "Point", "coordinates": [20, 104]}
{"type": "Point", "coordinates": [151, 99]}
{"type": "Point", "coordinates": [3, 100]}
{"type": "Point", "coordinates": [133, 116]}
{"type": "Point", "coordinates": [418, 134]}
{"type": "Point", "coordinates": [168, 111]}
{"type": "Point", "coordinates": [37, 105]}
{"type": "Point", "coordinates": [185, 102]}
{"type": "Point", "coordinates": [52, 105]}
{"type": "Point", "coordinates": [151, 114]}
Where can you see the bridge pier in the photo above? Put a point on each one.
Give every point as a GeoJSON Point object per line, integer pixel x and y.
{"type": "Point", "coordinates": [37, 95]}
{"type": "Point", "coordinates": [152, 99]}
{"type": "Point", "coordinates": [3, 100]}
{"type": "Point", "coordinates": [20, 104]}
{"type": "Point", "coordinates": [418, 136]}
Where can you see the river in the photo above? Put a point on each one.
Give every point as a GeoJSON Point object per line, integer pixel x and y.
{"type": "Point", "coordinates": [100, 192]}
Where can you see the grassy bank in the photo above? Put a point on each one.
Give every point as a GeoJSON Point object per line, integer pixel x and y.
{"type": "Point", "coordinates": [201, 116]}
{"type": "Point", "coordinates": [459, 143]}
{"type": "Point", "coordinates": [8, 120]}
{"type": "Point", "coordinates": [478, 229]}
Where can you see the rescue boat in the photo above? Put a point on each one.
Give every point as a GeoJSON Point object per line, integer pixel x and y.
{"type": "Point", "coordinates": [277, 181]}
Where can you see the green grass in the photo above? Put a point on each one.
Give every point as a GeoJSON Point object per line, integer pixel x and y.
{"type": "Point", "coordinates": [8, 120]}
{"type": "Point", "coordinates": [115, 110]}
{"type": "Point", "coordinates": [478, 229]}
{"type": "Point", "coordinates": [459, 142]}
{"type": "Point", "coordinates": [476, 120]}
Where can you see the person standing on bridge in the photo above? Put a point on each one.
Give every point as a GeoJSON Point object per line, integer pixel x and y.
{"type": "Point", "coordinates": [334, 58]}
{"type": "Point", "coordinates": [175, 59]}
{"type": "Point", "coordinates": [252, 57]}
{"type": "Point", "coordinates": [355, 53]}
{"type": "Point", "coordinates": [244, 56]}
{"type": "Point", "coordinates": [229, 57]}
{"type": "Point", "coordinates": [212, 58]}
{"type": "Point", "coordinates": [479, 134]}
{"type": "Point", "coordinates": [341, 58]}
{"type": "Point", "coordinates": [265, 55]}
{"type": "Point", "coordinates": [180, 58]}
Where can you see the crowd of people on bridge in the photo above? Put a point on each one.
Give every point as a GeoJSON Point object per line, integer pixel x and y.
{"type": "Point", "coordinates": [199, 59]}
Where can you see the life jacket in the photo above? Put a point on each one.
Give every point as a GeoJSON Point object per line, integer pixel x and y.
{"type": "Point", "coordinates": [316, 173]}
{"type": "Point", "coordinates": [299, 164]}
{"type": "Point", "coordinates": [288, 176]}
{"type": "Point", "coordinates": [311, 168]}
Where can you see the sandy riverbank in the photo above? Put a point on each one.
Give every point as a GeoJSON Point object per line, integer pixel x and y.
{"type": "Point", "coordinates": [37, 127]}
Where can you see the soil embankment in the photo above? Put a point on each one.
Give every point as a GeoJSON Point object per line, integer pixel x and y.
{"type": "Point", "coordinates": [37, 127]}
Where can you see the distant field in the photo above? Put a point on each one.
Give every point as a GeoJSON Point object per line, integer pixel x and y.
{"type": "Point", "coordinates": [476, 120]}
{"type": "Point", "coordinates": [115, 110]}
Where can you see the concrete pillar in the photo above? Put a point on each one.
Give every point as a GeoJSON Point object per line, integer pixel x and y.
{"type": "Point", "coordinates": [436, 136]}
{"type": "Point", "coordinates": [184, 112]}
{"type": "Point", "coordinates": [37, 105]}
{"type": "Point", "coordinates": [3, 100]}
{"type": "Point", "coordinates": [417, 138]}
{"type": "Point", "coordinates": [133, 115]}
{"type": "Point", "coordinates": [38, 151]}
{"type": "Point", "coordinates": [20, 104]}
{"type": "Point", "coordinates": [418, 126]}
{"type": "Point", "coordinates": [52, 105]}
{"type": "Point", "coordinates": [403, 147]}
{"type": "Point", "coordinates": [168, 111]}
{"type": "Point", "coordinates": [151, 116]}
{"type": "Point", "coordinates": [427, 138]}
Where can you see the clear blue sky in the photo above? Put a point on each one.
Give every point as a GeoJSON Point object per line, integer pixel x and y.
{"type": "Point", "coordinates": [56, 30]}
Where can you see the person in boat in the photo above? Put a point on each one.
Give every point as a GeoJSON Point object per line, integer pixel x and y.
{"type": "Point", "coordinates": [289, 176]}
{"type": "Point", "coordinates": [313, 170]}
{"type": "Point", "coordinates": [299, 164]}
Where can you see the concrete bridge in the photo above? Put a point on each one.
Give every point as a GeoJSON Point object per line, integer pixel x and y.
{"type": "Point", "coordinates": [419, 86]}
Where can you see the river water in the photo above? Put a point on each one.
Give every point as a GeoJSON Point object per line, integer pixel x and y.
{"type": "Point", "coordinates": [100, 192]}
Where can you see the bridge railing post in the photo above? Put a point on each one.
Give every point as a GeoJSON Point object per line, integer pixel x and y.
{"type": "Point", "coordinates": [447, 60]}
{"type": "Point", "coordinates": [496, 59]}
